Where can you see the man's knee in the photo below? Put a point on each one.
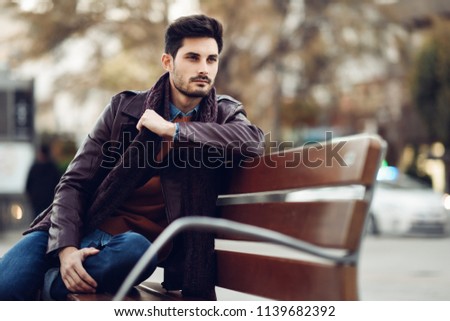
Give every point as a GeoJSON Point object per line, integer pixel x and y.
{"type": "Point", "coordinates": [133, 244]}
{"type": "Point", "coordinates": [110, 267]}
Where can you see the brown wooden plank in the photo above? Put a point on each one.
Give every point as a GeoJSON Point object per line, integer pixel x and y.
{"type": "Point", "coordinates": [135, 295]}
{"type": "Point", "coordinates": [89, 297]}
{"type": "Point", "coordinates": [353, 161]}
{"type": "Point", "coordinates": [336, 224]}
{"type": "Point", "coordinates": [285, 279]}
{"type": "Point", "coordinates": [146, 291]}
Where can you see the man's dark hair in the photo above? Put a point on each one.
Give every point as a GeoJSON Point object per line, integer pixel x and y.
{"type": "Point", "coordinates": [195, 26]}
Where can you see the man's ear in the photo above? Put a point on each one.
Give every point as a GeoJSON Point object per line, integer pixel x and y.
{"type": "Point", "coordinates": [167, 62]}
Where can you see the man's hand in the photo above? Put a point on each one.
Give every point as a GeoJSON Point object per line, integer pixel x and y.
{"type": "Point", "coordinates": [154, 122]}
{"type": "Point", "coordinates": [75, 277]}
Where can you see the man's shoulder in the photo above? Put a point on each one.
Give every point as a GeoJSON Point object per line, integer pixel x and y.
{"type": "Point", "coordinates": [224, 98]}
{"type": "Point", "coordinates": [228, 101]}
{"type": "Point", "coordinates": [124, 98]}
{"type": "Point", "coordinates": [129, 94]}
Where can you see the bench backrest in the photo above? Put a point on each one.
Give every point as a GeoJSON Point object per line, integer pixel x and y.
{"type": "Point", "coordinates": [260, 193]}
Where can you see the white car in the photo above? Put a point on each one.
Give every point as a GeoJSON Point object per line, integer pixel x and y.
{"type": "Point", "coordinates": [402, 205]}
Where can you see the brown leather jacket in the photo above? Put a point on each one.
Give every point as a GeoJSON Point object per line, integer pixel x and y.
{"type": "Point", "coordinates": [74, 194]}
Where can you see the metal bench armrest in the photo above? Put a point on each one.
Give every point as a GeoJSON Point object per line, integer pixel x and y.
{"type": "Point", "coordinates": [225, 226]}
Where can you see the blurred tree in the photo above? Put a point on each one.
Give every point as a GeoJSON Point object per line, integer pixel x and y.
{"type": "Point", "coordinates": [255, 45]}
{"type": "Point", "coordinates": [290, 60]}
{"type": "Point", "coordinates": [106, 42]}
{"type": "Point", "coordinates": [430, 87]}
{"type": "Point", "coordinates": [430, 83]}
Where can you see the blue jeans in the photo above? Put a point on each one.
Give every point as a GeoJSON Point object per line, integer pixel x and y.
{"type": "Point", "coordinates": [23, 267]}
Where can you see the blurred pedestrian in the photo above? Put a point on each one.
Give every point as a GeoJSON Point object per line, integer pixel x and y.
{"type": "Point", "coordinates": [42, 179]}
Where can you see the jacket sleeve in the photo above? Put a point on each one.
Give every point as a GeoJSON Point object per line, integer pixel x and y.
{"type": "Point", "coordinates": [78, 184]}
{"type": "Point", "coordinates": [233, 133]}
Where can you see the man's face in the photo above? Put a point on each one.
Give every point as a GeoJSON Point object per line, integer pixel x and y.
{"type": "Point", "coordinates": [194, 68]}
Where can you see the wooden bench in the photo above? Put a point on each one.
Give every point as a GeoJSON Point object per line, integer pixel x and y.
{"type": "Point", "coordinates": [277, 244]}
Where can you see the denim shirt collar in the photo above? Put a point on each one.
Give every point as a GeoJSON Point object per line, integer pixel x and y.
{"type": "Point", "coordinates": [174, 112]}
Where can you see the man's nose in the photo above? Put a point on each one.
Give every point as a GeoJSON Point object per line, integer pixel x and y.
{"type": "Point", "coordinates": [203, 68]}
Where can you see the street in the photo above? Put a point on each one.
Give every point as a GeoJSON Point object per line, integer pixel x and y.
{"type": "Point", "coordinates": [405, 269]}
{"type": "Point", "coordinates": [391, 268]}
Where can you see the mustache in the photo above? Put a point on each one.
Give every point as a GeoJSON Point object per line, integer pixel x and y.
{"type": "Point", "coordinates": [201, 78]}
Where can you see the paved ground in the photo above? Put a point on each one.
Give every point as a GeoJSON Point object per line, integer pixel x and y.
{"type": "Point", "coordinates": [405, 269]}
{"type": "Point", "coordinates": [399, 269]}
{"type": "Point", "coordinates": [7, 238]}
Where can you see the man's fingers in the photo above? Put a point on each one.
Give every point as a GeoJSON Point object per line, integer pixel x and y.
{"type": "Point", "coordinates": [88, 251]}
{"type": "Point", "coordinates": [139, 125]}
{"type": "Point", "coordinates": [79, 281]}
{"type": "Point", "coordinates": [151, 120]}
{"type": "Point", "coordinates": [74, 275]}
{"type": "Point", "coordinates": [81, 272]}
{"type": "Point", "coordinates": [68, 282]}
{"type": "Point", "coordinates": [85, 278]}
{"type": "Point", "coordinates": [76, 278]}
{"type": "Point", "coordinates": [75, 284]}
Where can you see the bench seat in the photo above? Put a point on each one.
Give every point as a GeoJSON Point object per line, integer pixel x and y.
{"type": "Point", "coordinates": [275, 246]}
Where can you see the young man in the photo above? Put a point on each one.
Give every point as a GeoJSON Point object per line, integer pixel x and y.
{"type": "Point", "coordinates": [143, 165]}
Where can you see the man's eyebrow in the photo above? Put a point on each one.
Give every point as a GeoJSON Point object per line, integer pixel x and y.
{"type": "Point", "coordinates": [197, 54]}
{"type": "Point", "coordinates": [191, 54]}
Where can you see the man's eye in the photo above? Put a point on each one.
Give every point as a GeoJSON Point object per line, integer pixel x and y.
{"type": "Point", "coordinates": [212, 59]}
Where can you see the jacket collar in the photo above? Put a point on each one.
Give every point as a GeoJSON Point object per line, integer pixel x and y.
{"type": "Point", "coordinates": [131, 107]}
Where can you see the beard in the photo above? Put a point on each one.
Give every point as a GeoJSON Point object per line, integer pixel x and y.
{"type": "Point", "coordinates": [183, 86]}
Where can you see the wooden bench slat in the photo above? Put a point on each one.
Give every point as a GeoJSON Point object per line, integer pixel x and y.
{"type": "Point", "coordinates": [335, 224]}
{"type": "Point", "coordinates": [285, 279]}
{"type": "Point", "coordinates": [92, 297]}
{"type": "Point", "coordinates": [310, 166]}
{"type": "Point", "coordinates": [145, 291]}
{"type": "Point", "coordinates": [136, 294]}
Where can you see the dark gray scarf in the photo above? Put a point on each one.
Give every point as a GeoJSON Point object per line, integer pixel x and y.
{"type": "Point", "coordinates": [191, 266]}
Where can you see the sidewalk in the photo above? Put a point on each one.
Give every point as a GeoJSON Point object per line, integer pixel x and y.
{"type": "Point", "coordinates": [8, 238]}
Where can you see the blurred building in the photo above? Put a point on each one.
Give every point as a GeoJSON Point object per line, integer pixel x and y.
{"type": "Point", "coordinates": [16, 148]}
